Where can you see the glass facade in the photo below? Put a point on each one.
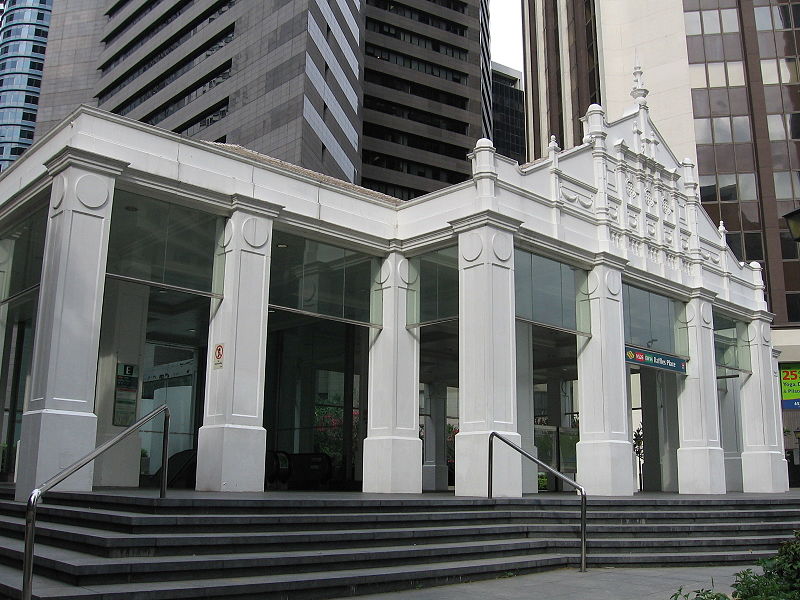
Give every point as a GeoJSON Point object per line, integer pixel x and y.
{"type": "Point", "coordinates": [730, 350]}
{"type": "Point", "coordinates": [23, 39]}
{"type": "Point", "coordinates": [163, 243]}
{"type": "Point", "coordinates": [550, 293]}
{"type": "Point", "coordinates": [21, 257]}
{"type": "Point", "coordinates": [508, 115]}
{"type": "Point", "coordinates": [652, 321]}
{"type": "Point", "coordinates": [322, 279]}
{"type": "Point", "coordinates": [433, 292]}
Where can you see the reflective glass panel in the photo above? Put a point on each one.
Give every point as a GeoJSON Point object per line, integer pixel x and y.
{"type": "Point", "coordinates": [651, 321]}
{"type": "Point", "coordinates": [549, 292]}
{"type": "Point", "coordinates": [730, 350]}
{"type": "Point", "coordinates": [434, 292]}
{"type": "Point", "coordinates": [162, 242]}
{"type": "Point", "coordinates": [21, 254]}
{"type": "Point", "coordinates": [323, 279]}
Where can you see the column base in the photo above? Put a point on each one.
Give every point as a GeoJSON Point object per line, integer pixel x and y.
{"type": "Point", "coordinates": [701, 470]}
{"type": "Point", "coordinates": [52, 440]}
{"type": "Point", "coordinates": [605, 468]}
{"type": "Point", "coordinates": [434, 478]}
{"type": "Point", "coordinates": [472, 465]}
{"type": "Point", "coordinates": [392, 465]}
{"type": "Point", "coordinates": [231, 458]}
{"type": "Point", "coordinates": [764, 472]}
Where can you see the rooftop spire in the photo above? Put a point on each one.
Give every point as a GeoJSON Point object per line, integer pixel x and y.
{"type": "Point", "coordinates": [639, 92]}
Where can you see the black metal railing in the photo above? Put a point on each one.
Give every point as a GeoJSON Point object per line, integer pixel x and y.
{"type": "Point", "coordinates": [39, 492]}
{"type": "Point", "coordinates": [550, 470]}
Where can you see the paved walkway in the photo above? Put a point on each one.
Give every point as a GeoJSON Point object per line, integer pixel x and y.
{"type": "Point", "coordinates": [569, 584]}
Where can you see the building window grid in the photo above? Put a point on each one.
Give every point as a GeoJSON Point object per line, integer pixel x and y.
{"type": "Point", "coordinates": [419, 16]}
{"type": "Point", "coordinates": [423, 66]}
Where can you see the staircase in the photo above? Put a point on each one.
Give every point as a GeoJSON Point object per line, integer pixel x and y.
{"type": "Point", "coordinates": [101, 545]}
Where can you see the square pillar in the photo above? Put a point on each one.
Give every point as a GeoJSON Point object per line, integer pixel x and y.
{"type": "Point", "coordinates": [487, 357]}
{"type": "Point", "coordinates": [59, 425]}
{"type": "Point", "coordinates": [232, 442]}
{"type": "Point", "coordinates": [604, 452]}
{"type": "Point", "coordinates": [701, 460]}
{"type": "Point", "coordinates": [392, 449]}
{"type": "Point", "coordinates": [764, 468]}
{"type": "Point", "coordinates": [434, 466]}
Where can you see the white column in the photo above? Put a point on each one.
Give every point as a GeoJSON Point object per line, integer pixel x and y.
{"type": "Point", "coordinates": [232, 441]}
{"type": "Point", "coordinates": [59, 425]}
{"type": "Point", "coordinates": [604, 452]}
{"type": "Point", "coordinates": [392, 449]}
{"type": "Point", "coordinates": [764, 466]}
{"type": "Point", "coordinates": [701, 460]}
{"type": "Point", "coordinates": [487, 359]}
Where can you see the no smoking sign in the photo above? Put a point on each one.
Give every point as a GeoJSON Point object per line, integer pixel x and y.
{"type": "Point", "coordinates": [219, 355]}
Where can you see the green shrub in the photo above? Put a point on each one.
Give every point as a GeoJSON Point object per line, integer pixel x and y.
{"type": "Point", "coordinates": [779, 581]}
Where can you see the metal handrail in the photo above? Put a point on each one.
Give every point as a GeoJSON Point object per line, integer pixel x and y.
{"type": "Point", "coordinates": [550, 470]}
{"type": "Point", "coordinates": [38, 493]}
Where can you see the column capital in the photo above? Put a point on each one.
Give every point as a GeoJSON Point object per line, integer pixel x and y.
{"type": "Point", "coordinates": [260, 208]}
{"type": "Point", "coordinates": [70, 156]}
{"type": "Point", "coordinates": [486, 218]}
{"type": "Point", "coordinates": [612, 261]}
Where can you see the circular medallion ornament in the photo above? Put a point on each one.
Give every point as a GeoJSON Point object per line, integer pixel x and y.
{"type": "Point", "coordinates": [706, 313]}
{"type": "Point", "coordinates": [502, 246]}
{"type": "Point", "coordinates": [689, 314]}
{"type": "Point", "coordinates": [766, 333]}
{"type": "Point", "coordinates": [613, 283]}
{"type": "Point", "coordinates": [227, 235]}
{"type": "Point", "coordinates": [407, 274]}
{"type": "Point", "coordinates": [58, 191]}
{"type": "Point", "coordinates": [255, 232]}
{"type": "Point", "coordinates": [91, 191]}
{"type": "Point", "coordinates": [592, 283]}
{"type": "Point", "coordinates": [384, 273]}
{"type": "Point", "coordinates": [471, 246]}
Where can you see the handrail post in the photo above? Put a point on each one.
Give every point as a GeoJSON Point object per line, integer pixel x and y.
{"type": "Point", "coordinates": [162, 492]}
{"type": "Point", "coordinates": [38, 493]}
{"type": "Point", "coordinates": [550, 470]}
{"type": "Point", "coordinates": [491, 461]}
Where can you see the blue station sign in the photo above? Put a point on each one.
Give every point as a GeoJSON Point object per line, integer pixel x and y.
{"type": "Point", "coordinates": [647, 358]}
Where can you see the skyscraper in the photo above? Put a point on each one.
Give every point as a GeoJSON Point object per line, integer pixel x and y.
{"type": "Point", "coordinates": [302, 81]}
{"type": "Point", "coordinates": [724, 73]}
{"type": "Point", "coordinates": [23, 37]}
{"type": "Point", "coordinates": [508, 112]}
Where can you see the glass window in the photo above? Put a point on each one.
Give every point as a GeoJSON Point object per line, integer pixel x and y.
{"type": "Point", "coordinates": [730, 20]}
{"type": "Point", "coordinates": [793, 125]}
{"type": "Point", "coordinates": [763, 18]}
{"type": "Point", "coordinates": [722, 130]}
{"type": "Point", "coordinates": [692, 20]}
{"type": "Point", "coordinates": [708, 188]}
{"type": "Point", "coordinates": [727, 188]}
{"type": "Point", "coordinates": [323, 279]}
{"type": "Point", "coordinates": [735, 73]}
{"type": "Point", "coordinates": [777, 131]}
{"type": "Point", "coordinates": [734, 241]}
{"type": "Point", "coordinates": [651, 321]}
{"type": "Point", "coordinates": [783, 184]}
{"type": "Point", "coordinates": [22, 253]}
{"type": "Point", "coordinates": [729, 345]}
{"type": "Point", "coordinates": [716, 74]}
{"type": "Point", "coordinates": [161, 242]}
{"type": "Point", "coordinates": [747, 186]}
{"type": "Point", "coordinates": [702, 131]}
{"type": "Point", "coordinates": [710, 21]}
{"type": "Point", "coordinates": [433, 295]}
{"type": "Point", "coordinates": [769, 72]}
{"type": "Point", "coordinates": [697, 75]}
{"type": "Point", "coordinates": [788, 70]}
{"type": "Point", "coordinates": [741, 129]}
{"type": "Point", "coordinates": [549, 292]}
{"type": "Point", "coordinates": [753, 246]}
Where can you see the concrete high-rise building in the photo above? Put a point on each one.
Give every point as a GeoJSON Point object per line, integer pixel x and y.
{"type": "Point", "coordinates": [23, 40]}
{"type": "Point", "coordinates": [370, 91]}
{"type": "Point", "coordinates": [723, 83]}
{"type": "Point", "coordinates": [508, 112]}
{"type": "Point", "coordinates": [422, 93]}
